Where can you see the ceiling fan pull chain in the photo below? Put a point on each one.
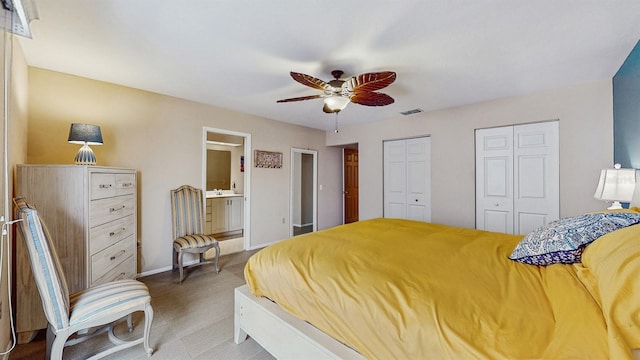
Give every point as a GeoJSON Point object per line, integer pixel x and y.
{"type": "Point", "coordinates": [336, 129]}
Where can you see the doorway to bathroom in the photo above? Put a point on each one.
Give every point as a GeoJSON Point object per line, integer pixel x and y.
{"type": "Point", "coordinates": [226, 180]}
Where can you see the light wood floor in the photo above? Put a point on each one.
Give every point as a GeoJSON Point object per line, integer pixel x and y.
{"type": "Point", "coordinates": [192, 321]}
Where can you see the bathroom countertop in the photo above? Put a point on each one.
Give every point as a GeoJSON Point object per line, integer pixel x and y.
{"type": "Point", "coordinates": [225, 194]}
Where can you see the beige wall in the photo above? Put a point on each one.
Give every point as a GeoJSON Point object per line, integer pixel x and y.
{"type": "Point", "coordinates": [161, 137]}
{"type": "Point", "coordinates": [586, 146]}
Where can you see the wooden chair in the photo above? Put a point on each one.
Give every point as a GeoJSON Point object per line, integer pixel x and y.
{"type": "Point", "coordinates": [87, 312]}
{"type": "Point", "coordinates": [187, 214]}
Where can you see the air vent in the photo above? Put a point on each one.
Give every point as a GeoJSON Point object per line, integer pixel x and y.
{"type": "Point", "coordinates": [15, 16]}
{"type": "Point", "coordinates": [411, 112]}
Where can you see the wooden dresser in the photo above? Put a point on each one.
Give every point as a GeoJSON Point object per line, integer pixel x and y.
{"type": "Point", "coordinates": [90, 212]}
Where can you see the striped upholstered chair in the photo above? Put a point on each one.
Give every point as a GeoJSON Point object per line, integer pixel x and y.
{"type": "Point", "coordinates": [85, 313]}
{"type": "Point", "coordinates": [187, 215]}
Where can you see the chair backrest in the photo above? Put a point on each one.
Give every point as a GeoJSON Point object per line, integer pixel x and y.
{"type": "Point", "coordinates": [45, 265]}
{"type": "Point", "coordinates": [187, 213]}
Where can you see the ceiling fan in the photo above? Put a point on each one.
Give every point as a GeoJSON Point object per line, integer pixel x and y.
{"type": "Point", "coordinates": [360, 89]}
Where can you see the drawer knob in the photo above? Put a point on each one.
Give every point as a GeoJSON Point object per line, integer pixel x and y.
{"type": "Point", "coordinates": [117, 231]}
{"type": "Point", "coordinates": [116, 209]}
{"type": "Point", "coordinates": [116, 255]}
{"type": "Point", "coordinates": [104, 186]}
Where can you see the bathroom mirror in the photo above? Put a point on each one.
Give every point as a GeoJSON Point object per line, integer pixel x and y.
{"type": "Point", "coordinates": [224, 162]}
{"type": "Point", "coordinates": [218, 169]}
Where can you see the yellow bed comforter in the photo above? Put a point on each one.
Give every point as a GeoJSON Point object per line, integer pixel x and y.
{"type": "Point", "coordinates": [398, 289]}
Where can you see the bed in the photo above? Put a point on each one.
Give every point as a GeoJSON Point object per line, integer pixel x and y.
{"type": "Point", "coordinates": [390, 288]}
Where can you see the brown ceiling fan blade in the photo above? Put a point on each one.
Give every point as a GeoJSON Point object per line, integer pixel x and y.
{"type": "Point", "coordinates": [302, 98]}
{"type": "Point", "coordinates": [371, 81]}
{"type": "Point", "coordinates": [369, 98]}
{"type": "Point", "coordinates": [309, 81]}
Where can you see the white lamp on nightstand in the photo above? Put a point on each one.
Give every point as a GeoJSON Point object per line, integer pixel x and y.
{"type": "Point", "coordinates": [616, 185]}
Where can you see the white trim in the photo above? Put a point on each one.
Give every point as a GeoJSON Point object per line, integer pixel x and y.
{"type": "Point", "coordinates": [164, 269]}
{"type": "Point", "coordinates": [260, 246]}
{"type": "Point", "coordinates": [247, 175]}
{"type": "Point", "coordinates": [155, 271]}
{"type": "Point", "coordinates": [223, 251]}
{"type": "Point", "coordinates": [302, 225]}
{"type": "Point", "coordinates": [314, 153]}
{"type": "Point", "coordinates": [344, 186]}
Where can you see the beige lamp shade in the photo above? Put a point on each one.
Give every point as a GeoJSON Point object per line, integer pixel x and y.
{"type": "Point", "coordinates": [617, 185]}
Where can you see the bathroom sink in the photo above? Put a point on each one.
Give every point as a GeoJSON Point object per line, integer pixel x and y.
{"type": "Point", "coordinates": [217, 193]}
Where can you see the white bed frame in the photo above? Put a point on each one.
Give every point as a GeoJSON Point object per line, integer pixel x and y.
{"type": "Point", "coordinates": [280, 333]}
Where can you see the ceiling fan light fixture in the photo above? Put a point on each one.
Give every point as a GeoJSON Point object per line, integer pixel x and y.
{"type": "Point", "coordinates": [337, 93]}
{"type": "Point", "coordinates": [336, 103]}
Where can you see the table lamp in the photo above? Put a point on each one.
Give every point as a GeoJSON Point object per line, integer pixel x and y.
{"type": "Point", "coordinates": [616, 185]}
{"type": "Point", "coordinates": [85, 135]}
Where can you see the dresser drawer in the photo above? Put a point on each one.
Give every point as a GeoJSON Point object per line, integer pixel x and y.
{"type": "Point", "coordinates": [109, 258]}
{"type": "Point", "coordinates": [109, 209]}
{"type": "Point", "coordinates": [105, 235]}
{"type": "Point", "coordinates": [125, 184]}
{"type": "Point", "coordinates": [104, 185]}
{"type": "Point", "coordinates": [124, 270]}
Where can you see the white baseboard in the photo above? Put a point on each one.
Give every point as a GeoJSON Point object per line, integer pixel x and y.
{"type": "Point", "coordinates": [155, 271]}
{"type": "Point", "coordinates": [229, 246]}
{"type": "Point", "coordinates": [302, 225]}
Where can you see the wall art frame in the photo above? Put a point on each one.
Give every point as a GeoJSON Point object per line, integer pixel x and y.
{"type": "Point", "coordinates": [267, 159]}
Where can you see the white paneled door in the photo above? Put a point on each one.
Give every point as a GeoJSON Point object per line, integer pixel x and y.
{"type": "Point", "coordinates": [517, 177]}
{"type": "Point", "coordinates": [494, 179]}
{"type": "Point", "coordinates": [407, 179]}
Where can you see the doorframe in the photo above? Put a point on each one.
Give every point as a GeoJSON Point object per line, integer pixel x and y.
{"type": "Point", "coordinates": [247, 175]}
{"type": "Point", "coordinates": [313, 153]}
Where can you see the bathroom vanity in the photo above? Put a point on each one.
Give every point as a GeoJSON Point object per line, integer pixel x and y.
{"type": "Point", "coordinates": [225, 212]}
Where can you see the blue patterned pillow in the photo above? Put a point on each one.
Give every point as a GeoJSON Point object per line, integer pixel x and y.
{"type": "Point", "coordinates": [562, 241]}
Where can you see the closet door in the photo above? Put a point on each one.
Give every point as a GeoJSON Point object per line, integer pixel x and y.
{"type": "Point", "coordinates": [536, 175]}
{"type": "Point", "coordinates": [407, 179]}
{"type": "Point", "coordinates": [418, 179]}
{"type": "Point", "coordinates": [395, 179]}
{"type": "Point", "coordinates": [494, 179]}
{"type": "Point", "coordinates": [517, 177]}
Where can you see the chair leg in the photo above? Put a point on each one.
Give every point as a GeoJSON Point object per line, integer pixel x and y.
{"type": "Point", "coordinates": [148, 319]}
{"type": "Point", "coordinates": [217, 246]}
{"type": "Point", "coordinates": [180, 256]}
{"type": "Point", "coordinates": [174, 259]}
{"type": "Point", "coordinates": [55, 345]}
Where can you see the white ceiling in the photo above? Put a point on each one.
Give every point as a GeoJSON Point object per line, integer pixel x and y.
{"type": "Point", "coordinates": [237, 54]}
